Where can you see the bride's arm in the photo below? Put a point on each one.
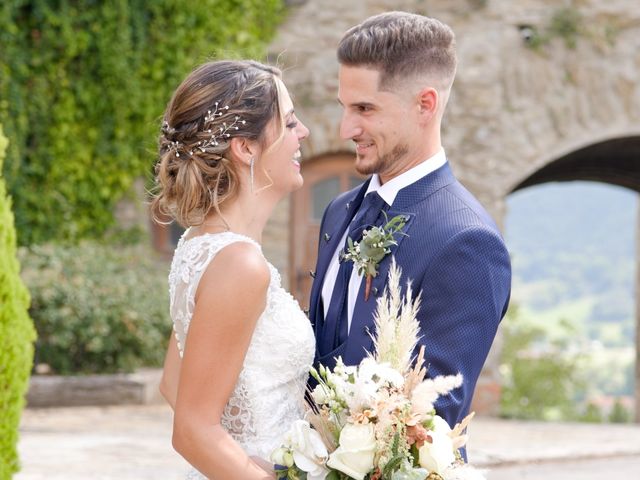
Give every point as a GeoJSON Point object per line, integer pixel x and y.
{"type": "Point", "coordinates": [230, 298]}
{"type": "Point", "coordinates": [170, 373]}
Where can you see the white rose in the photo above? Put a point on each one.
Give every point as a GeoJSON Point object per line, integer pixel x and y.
{"type": "Point", "coordinates": [438, 455]}
{"type": "Point", "coordinates": [356, 450]}
{"type": "Point", "coordinates": [309, 452]}
{"type": "Point", "coordinates": [320, 395]}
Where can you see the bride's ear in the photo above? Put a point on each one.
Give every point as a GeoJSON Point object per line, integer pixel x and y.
{"type": "Point", "coordinates": [243, 150]}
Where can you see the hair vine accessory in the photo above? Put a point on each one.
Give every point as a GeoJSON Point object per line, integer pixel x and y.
{"type": "Point", "coordinates": [169, 131]}
{"type": "Point", "coordinates": [211, 116]}
{"type": "Point", "coordinates": [218, 134]}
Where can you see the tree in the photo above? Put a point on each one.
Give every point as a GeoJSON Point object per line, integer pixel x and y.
{"type": "Point", "coordinates": [16, 335]}
{"type": "Point", "coordinates": [540, 380]}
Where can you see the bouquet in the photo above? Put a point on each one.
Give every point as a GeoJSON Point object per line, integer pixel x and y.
{"type": "Point", "coordinates": [376, 421]}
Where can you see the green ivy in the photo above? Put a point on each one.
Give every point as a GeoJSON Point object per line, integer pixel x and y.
{"type": "Point", "coordinates": [83, 85]}
{"type": "Point", "coordinates": [16, 335]}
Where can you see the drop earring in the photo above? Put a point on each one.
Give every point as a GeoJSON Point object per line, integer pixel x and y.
{"type": "Point", "coordinates": [251, 162]}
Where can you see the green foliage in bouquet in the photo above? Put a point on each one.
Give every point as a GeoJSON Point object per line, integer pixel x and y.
{"type": "Point", "coordinates": [16, 335]}
{"type": "Point", "coordinates": [397, 457]}
{"type": "Point", "coordinates": [83, 85]}
{"type": "Point", "coordinates": [97, 308]}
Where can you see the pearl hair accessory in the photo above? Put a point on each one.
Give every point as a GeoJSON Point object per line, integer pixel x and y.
{"type": "Point", "coordinates": [218, 134]}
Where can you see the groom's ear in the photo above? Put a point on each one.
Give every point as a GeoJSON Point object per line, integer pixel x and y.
{"type": "Point", "coordinates": [427, 103]}
{"type": "Point", "coordinates": [242, 149]}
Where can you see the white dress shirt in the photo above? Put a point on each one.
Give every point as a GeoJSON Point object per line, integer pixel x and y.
{"type": "Point", "coordinates": [388, 192]}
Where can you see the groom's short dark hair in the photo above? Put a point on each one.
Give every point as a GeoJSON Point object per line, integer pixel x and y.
{"type": "Point", "coordinates": [401, 45]}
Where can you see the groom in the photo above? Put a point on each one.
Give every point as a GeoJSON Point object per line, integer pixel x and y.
{"type": "Point", "coordinates": [396, 72]}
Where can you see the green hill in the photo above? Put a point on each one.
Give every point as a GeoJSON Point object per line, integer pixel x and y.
{"type": "Point", "coordinates": [573, 248]}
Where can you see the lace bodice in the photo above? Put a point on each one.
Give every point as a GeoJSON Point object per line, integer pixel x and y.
{"type": "Point", "coordinates": [269, 393]}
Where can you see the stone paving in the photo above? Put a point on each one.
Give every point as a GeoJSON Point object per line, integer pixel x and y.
{"type": "Point", "coordinates": [134, 443]}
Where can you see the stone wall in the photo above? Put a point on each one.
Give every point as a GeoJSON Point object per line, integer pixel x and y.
{"type": "Point", "coordinates": [513, 109]}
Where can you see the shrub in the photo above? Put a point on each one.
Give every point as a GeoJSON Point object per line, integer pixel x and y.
{"type": "Point", "coordinates": [16, 335]}
{"type": "Point", "coordinates": [619, 413]}
{"type": "Point", "coordinates": [97, 308]}
{"type": "Point", "coordinates": [591, 414]}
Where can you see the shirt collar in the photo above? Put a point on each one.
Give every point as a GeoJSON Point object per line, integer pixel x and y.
{"type": "Point", "coordinates": [389, 190]}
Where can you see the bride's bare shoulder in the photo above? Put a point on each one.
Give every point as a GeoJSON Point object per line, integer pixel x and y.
{"type": "Point", "coordinates": [239, 267]}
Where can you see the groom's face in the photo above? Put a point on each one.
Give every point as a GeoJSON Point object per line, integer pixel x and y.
{"type": "Point", "coordinates": [380, 123]}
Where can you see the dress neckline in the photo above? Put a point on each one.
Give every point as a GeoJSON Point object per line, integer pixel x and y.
{"type": "Point", "coordinates": [184, 238]}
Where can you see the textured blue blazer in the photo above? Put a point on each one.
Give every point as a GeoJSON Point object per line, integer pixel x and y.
{"type": "Point", "coordinates": [454, 254]}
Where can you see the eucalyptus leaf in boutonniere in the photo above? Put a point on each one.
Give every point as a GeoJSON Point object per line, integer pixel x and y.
{"type": "Point", "coordinates": [367, 254]}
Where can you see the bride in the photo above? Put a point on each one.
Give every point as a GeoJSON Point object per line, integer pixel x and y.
{"type": "Point", "coordinates": [236, 368]}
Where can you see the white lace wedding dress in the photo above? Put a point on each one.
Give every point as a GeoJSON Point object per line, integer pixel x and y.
{"type": "Point", "coordinates": [269, 394]}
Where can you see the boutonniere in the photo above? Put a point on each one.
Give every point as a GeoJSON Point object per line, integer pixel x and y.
{"type": "Point", "coordinates": [367, 254]}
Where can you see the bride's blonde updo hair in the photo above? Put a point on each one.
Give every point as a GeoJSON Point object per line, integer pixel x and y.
{"type": "Point", "coordinates": [216, 102]}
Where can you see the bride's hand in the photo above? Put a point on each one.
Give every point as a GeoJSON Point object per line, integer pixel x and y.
{"type": "Point", "coordinates": [265, 465]}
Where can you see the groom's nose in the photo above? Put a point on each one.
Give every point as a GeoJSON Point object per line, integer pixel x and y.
{"type": "Point", "coordinates": [349, 127]}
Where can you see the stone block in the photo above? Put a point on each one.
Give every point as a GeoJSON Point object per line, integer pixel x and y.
{"type": "Point", "coordinates": [139, 388]}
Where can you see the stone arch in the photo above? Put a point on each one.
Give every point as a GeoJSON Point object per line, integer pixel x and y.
{"type": "Point", "coordinates": [613, 159]}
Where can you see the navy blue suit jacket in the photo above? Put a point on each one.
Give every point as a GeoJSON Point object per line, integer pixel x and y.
{"type": "Point", "coordinates": [454, 254]}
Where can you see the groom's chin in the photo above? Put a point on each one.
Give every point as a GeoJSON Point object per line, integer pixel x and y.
{"type": "Point", "coordinates": [364, 165]}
